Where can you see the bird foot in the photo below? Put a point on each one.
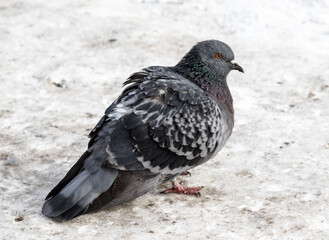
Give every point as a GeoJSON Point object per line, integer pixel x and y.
{"type": "Point", "coordinates": [180, 188]}
{"type": "Point", "coordinates": [186, 173]}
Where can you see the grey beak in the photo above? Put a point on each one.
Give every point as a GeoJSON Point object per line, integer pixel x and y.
{"type": "Point", "coordinates": [236, 66]}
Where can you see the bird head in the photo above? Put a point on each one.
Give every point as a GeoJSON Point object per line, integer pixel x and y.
{"type": "Point", "coordinates": [217, 55]}
{"type": "Point", "coordinates": [210, 58]}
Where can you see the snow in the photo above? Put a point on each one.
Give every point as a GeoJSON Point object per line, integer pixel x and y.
{"type": "Point", "coordinates": [63, 62]}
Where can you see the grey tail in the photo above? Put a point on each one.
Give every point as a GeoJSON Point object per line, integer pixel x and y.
{"type": "Point", "coordinates": [85, 182]}
{"type": "Point", "coordinates": [127, 186]}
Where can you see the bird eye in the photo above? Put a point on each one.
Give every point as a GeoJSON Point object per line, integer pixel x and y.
{"type": "Point", "coordinates": [218, 55]}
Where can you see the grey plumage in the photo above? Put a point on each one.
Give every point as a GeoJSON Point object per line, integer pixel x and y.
{"type": "Point", "coordinates": [166, 121]}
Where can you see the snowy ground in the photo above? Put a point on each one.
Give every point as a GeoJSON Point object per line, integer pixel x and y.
{"type": "Point", "coordinates": [63, 62]}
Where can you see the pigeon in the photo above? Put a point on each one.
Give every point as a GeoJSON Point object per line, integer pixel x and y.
{"type": "Point", "coordinates": [166, 121]}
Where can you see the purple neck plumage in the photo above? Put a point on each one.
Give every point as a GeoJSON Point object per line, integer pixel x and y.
{"type": "Point", "coordinates": [211, 82]}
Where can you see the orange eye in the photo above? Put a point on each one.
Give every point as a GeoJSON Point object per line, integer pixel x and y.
{"type": "Point", "coordinates": [218, 55]}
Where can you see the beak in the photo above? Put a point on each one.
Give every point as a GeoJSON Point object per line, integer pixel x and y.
{"type": "Point", "coordinates": [236, 66]}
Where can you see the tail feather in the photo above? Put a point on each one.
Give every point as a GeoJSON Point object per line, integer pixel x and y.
{"type": "Point", "coordinates": [79, 208]}
{"type": "Point", "coordinates": [79, 193]}
{"type": "Point", "coordinates": [74, 171]}
{"type": "Point", "coordinates": [69, 196]}
{"type": "Point", "coordinates": [92, 184]}
{"type": "Point", "coordinates": [127, 186]}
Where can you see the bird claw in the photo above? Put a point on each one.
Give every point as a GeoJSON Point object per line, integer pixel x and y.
{"type": "Point", "coordinates": [180, 188]}
{"type": "Point", "coordinates": [186, 173]}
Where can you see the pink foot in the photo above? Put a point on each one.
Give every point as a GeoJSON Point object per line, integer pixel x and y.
{"type": "Point", "coordinates": [180, 188]}
{"type": "Point", "coordinates": [186, 173]}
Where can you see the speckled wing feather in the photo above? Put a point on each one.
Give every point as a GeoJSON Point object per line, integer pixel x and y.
{"type": "Point", "coordinates": [162, 122]}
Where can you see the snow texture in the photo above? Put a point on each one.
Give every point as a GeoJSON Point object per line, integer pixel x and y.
{"type": "Point", "coordinates": [63, 62]}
